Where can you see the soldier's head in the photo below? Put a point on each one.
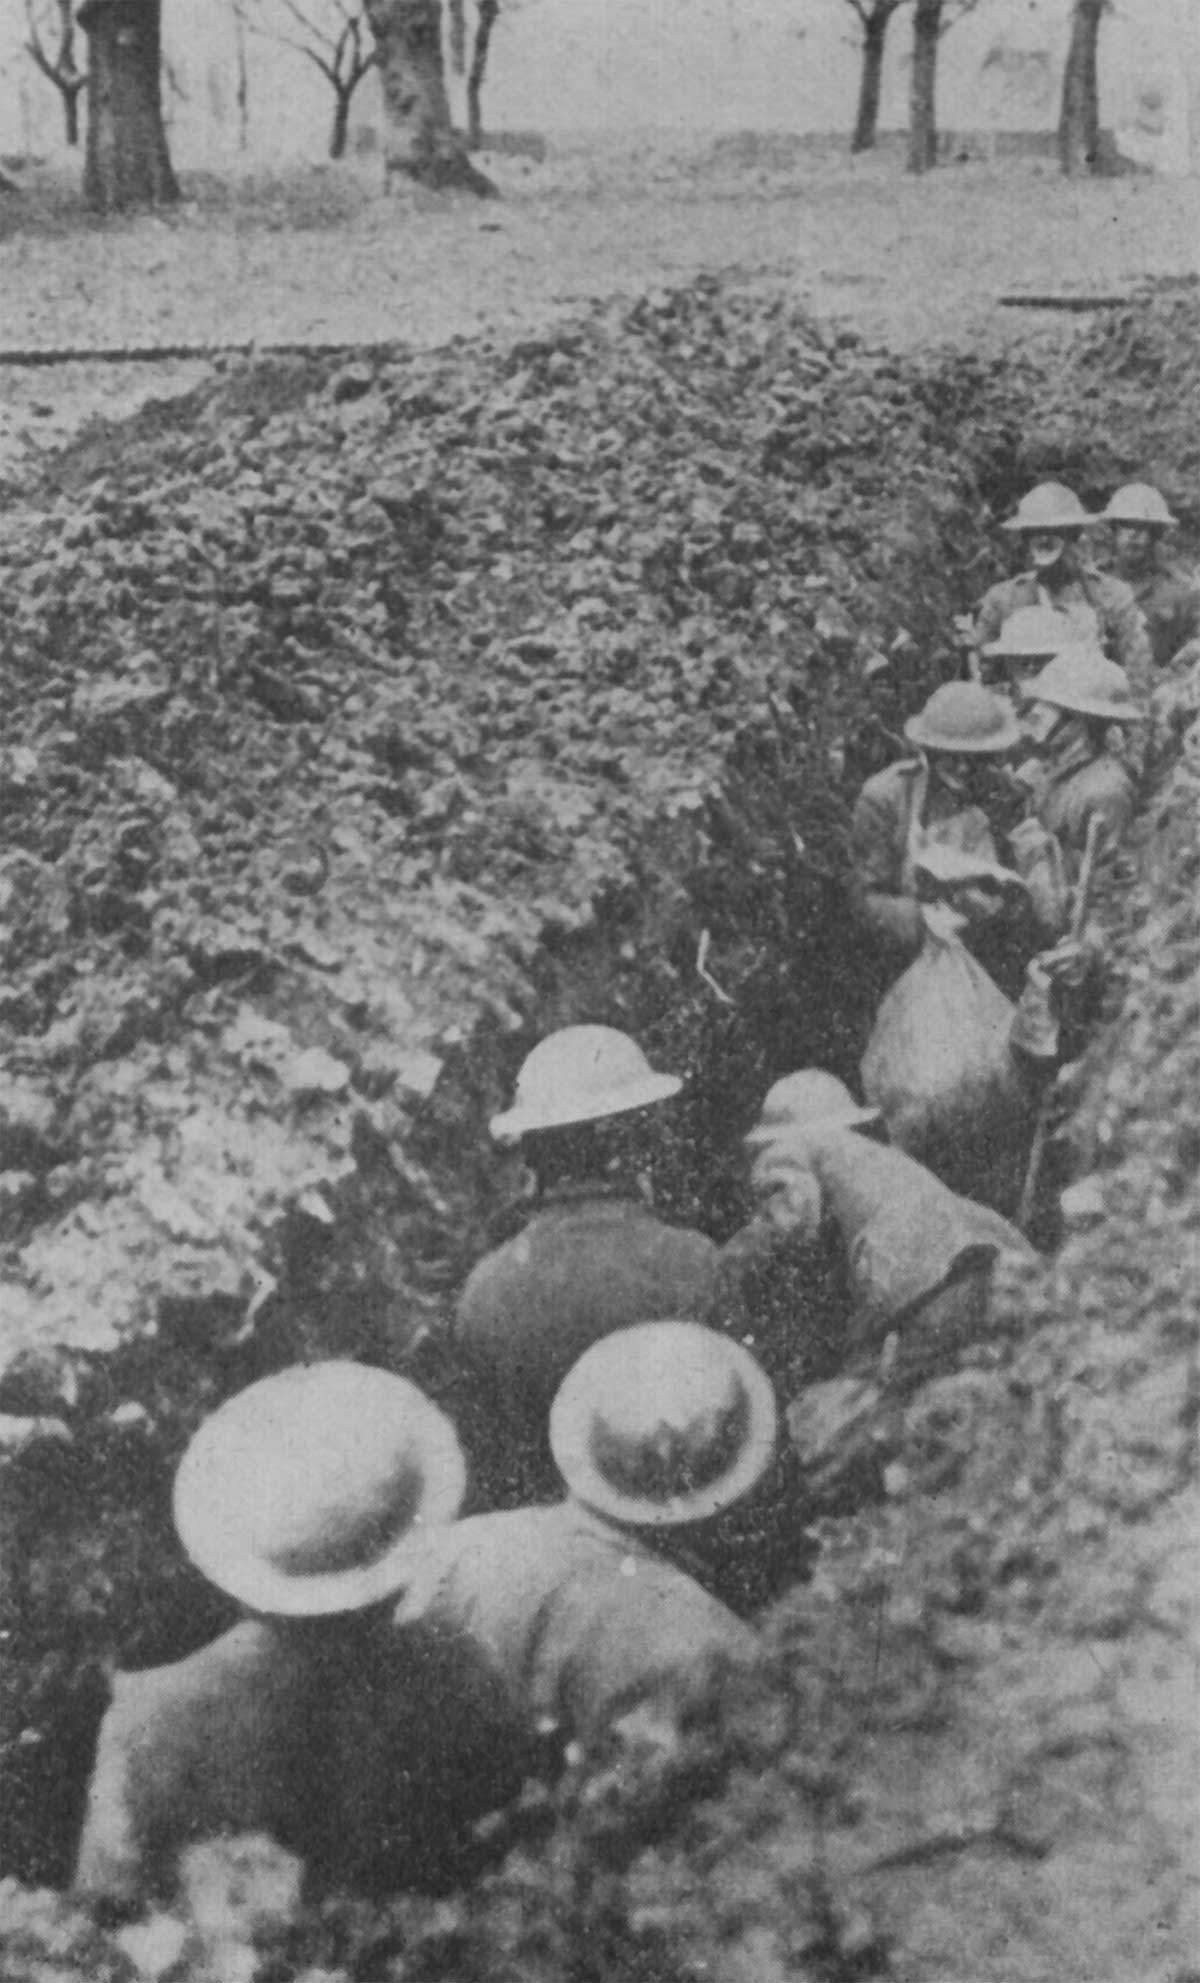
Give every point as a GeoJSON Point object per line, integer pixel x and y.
{"type": "Point", "coordinates": [664, 1428]}
{"type": "Point", "coordinates": [963, 732]}
{"type": "Point", "coordinates": [584, 1104]}
{"type": "Point", "coordinates": [1049, 522]}
{"type": "Point", "coordinates": [801, 1106]}
{"type": "Point", "coordinates": [1079, 695]}
{"type": "Point", "coordinates": [1139, 518]}
{"type": "Point", "coordinates": [1029, 638]}
{"type": "Point", "coordinates": [302, 1495]}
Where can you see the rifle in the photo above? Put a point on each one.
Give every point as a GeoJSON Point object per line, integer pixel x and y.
{"type": "Point", "coordinates": [1041, 1133]}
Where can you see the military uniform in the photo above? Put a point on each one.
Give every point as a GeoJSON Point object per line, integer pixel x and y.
{"type": "Point", "coordinates": [1168, 598]}
{"type": "Point", "coordinates": [371, 1767]}
{"type": "Point", "coordinates": [915, 1257]}
{"type": "Point", "coordinates": [898, 811]}
{"type": "Point", "coordinates": [1078, 785]}
{"type": "Point", "coordinates": [1097, 603]}
{"type": "Point", "coordinates": [591, 1260]}
{"type": "Point", "coordinates": [894, 807]}
{"type": "Point", "coordinates": [577, 1618]}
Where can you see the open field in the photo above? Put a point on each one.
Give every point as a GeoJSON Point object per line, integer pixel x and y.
{"type": "Point", "coordinates": [318, 256]}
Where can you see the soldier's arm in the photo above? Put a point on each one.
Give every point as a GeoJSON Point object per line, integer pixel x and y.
{"type": "Point", "coordinates": [881, 905]}
{"type": "Point", "coordinates": [989, 618]}
{"type": "Point", "coordinates": [112, 1869]}
{"type": "Point", "coordinates": [1131, 641]}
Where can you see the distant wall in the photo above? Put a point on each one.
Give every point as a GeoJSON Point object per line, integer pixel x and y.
{"type": "Point", "coordinates": [718, 65]}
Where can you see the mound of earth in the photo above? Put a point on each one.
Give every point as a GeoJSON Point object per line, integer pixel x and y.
{"type": "Point", "coordinates": [359, 721]}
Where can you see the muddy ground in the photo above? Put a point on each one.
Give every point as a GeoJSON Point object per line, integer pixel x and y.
{"type": "Point", "coordinates": [318, 806]}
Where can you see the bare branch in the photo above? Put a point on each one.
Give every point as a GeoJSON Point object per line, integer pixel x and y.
{"type": "Point", "coordinates": [457, 16]}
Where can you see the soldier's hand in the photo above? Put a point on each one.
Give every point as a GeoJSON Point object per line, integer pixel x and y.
{"type": "Point", "coordinates": [1069, 963]}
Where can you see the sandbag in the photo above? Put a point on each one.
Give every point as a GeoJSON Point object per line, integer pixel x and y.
{"type": "Point", "coordinates": [939, 1067]}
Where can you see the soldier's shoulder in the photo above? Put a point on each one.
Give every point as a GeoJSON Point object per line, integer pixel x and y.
{"type": "Point", "coordinates": [1019, 589]}
{"type": "Point", "coordinates": [1112, 591]}
{"type": "Point", "coordinates": [888, 784]}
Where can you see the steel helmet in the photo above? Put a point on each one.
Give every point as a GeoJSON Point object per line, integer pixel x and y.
{"type": "Point", "coordinates": [1085, 681]}
{"type": "Point", "coordinates": [581, 1074]}
{"type": "Point", "coordinates": [1032, 633]}
{"type": "Point", "coordinates": [303, 1494]}
{"type": "Point", "coordinates": [663, 1424]}
{"type": "Point", "coordinates": [1139, 502]}
{"type": "Point", "coordinates": [809, 1099]}
{"type": "Point", "coordinates": [1051, 506]}
{"type": "Point", "coordinates": [964, 717]}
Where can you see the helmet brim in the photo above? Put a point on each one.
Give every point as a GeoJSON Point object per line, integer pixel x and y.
{"type": "Point", "coordinates": [993, 746]}
{"type": "Point", "coordinates": [512, 1124]}
{"type": "Point", "coordinates": [230, 1562]}
{"type": "Point", "coordinates": [1065, 526]}
{"type": "Point", "coordinates": [569, 1424]}
{"type": "Point", "coordinates": [764, 1134]}
{"type": "Point", "coordinates": [1106, 712]}
{"type": "Point", "coordinates": [996, 651]}
{"type": "Point", "coordinates": [1167, 522]}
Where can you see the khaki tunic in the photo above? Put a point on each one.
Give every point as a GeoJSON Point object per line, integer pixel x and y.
{"type": "Point", "coordinates": [368, 1760]}
{"type": "Point", "coordinates": [577, 1618]}
{"type": "Point", "coordinates": [585, 1265]}
{"type": "Point", "coordinates": [895, 807]}
{"type": "Point", "coordinates": [1168, 599]}
{"type": "Point", "coordinates": [916, 1255]}
{"type": "Point", "coordinates": [1093, 599]}
{"type": "Point", "coordinates": [1074, 791]}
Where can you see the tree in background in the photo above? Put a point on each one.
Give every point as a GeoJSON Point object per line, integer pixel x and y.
{"type": "Point", "coordinates": [421, 142]}
{"type": "Point", "coordinates": [922, 85]}
{"type": "Point", "coordinates": [127, 163]}
{"type": "Point", "coordinates": [931, 20]}
{"type": "Point", "coordinates": [486, 15]}
{"type": "Point", "coordinates": [487, 12]}
{"type": "Point", "coordinates": [1079, 116]}
{"type": "Point", "coordinates": [875, 16]}
{"type": "Point", "coordinates": [335, 37]}
{"type": "Point", "coordinates": [54, 21]}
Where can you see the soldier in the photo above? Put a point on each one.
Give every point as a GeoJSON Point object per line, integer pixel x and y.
{"type": "Point", "coordinates": [1083, 797]}
{"type": "Point", "coordinates": [942, 795]}
{"type": "Point", "coordinates": [1028, 639]}
{"type": "Point", "coordinates": [1077, 698]}
{"type": "Point", "coordinates": [1167, 595]}
{"type": "Point", "coordinates": [1050, 522]}
{"type": "Point", "coordinates": [593, 1258]}
{"type": "Point", "coordinates": [367, 1749]}
{"type": "Point", "coordinates": [659, 1432]}
{"type": "Point", "coordinates": [915, 1256]}
{"type": "Point", "coordinates": [911, 1288]}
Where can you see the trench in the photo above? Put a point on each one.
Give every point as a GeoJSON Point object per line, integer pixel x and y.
{"type": "Point", "coordinates": [93, 1578]}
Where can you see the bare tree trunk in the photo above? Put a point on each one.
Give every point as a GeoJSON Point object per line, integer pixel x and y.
{"type": "Point", "coordinates": [127, 162]}
{"type": "Point", "coordinates": [70, 101]}
{"type": "Point", "coordinates": [870, 81]}
{"type": "Point", "coordinates": [922, 112]}
{"type": "Point", "coordinates": [1079, 117]}
{"type": "Point", "coordinates": [242, 91]}
{"type": "Point", "coordinates": [456, 15]}
{"type": "Point", "coordinates": [341, 120]}
{"type": "Point", "coordinates": [421, 141]}
{"type": "Point", "coordinates": [488, 11]}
